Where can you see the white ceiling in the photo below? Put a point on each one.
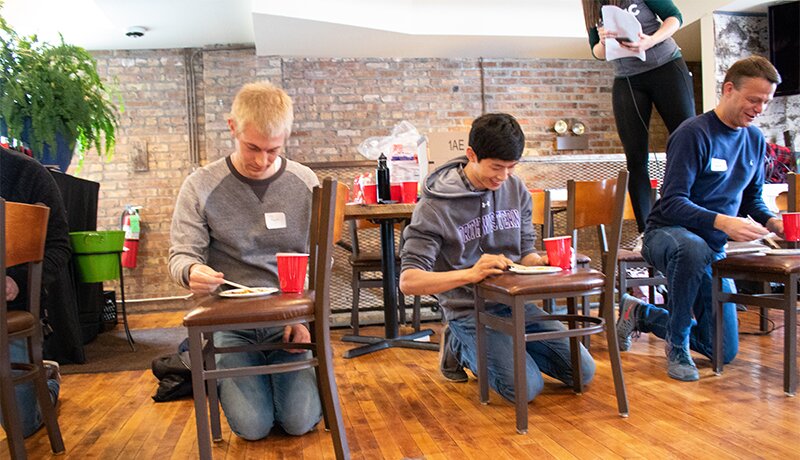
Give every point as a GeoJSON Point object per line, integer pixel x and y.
{"type": "Point", "coordinates": [339, 28]}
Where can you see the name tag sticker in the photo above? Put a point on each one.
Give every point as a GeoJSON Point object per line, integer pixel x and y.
{"type": "Point", "coordinates": [719, 164]}
{"type": "Point", "coordinates": [275, 220]}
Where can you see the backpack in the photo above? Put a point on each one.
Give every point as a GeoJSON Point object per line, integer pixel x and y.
{"type": "Point", "coordinates": [174, 376]}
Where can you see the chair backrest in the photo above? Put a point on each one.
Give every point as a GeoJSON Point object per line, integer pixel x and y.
{"type": "Point", "coordinates": [794, 191]}
{"type": "Point", "coordinates": [541, 213]}
{"type": "Point", "coordinates": [22, 241]}
{"type": "Point", "coordinates": [627, 213]}
{"type": "Point", "coordinates": [327, 212]}
{"type": "Point", "coordinates": [342, 192]}
{"type": "Point", "coordinates": [25, 231]}
{"type": "Point", "coordinates": [598, 204]}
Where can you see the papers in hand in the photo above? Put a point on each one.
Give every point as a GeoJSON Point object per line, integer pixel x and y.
{"type": "Point", "coordinates": [624, 24]}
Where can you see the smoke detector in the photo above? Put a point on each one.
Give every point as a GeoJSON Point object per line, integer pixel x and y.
{"type": "Point", "coordinates": [135, 31]}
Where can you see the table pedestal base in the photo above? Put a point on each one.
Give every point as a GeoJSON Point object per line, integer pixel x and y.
{"type": "Point", "coordinates": [382, 343]}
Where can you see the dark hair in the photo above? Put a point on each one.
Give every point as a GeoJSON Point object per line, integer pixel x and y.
{"type": "Point", "coordinates": [752, 67]}
{"type": "Point", "coordinates": [497, 135]}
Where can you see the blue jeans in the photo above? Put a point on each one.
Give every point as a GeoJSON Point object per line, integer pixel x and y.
{"type": "Point", "coordinates": [551, 357]}
{"type": "Point", "coordinates": [685, 259]}
{"type": "Point", "coordinates": [26, 392]}
{"type": "Point", "coordinates": [253, 404]}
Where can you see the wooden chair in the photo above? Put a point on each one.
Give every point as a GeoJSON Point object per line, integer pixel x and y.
{"type": "Point", "coordinates": [214, 314]}
{"type": "Point", "coordinates": [765, 269]}
{"type": "Point", "coordinates": [363, 262]}
{"type": "Point", "coordinates": [632, 259]}
{"type": "Point", "coordinates": [22, 242]}
{"type": "Point", "coordinates": [542, 215]}
{"type": "Point", "coordinates": [607, 200]}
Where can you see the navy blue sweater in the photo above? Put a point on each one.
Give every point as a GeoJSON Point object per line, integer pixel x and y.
{"type": "Point", "coordinates": [711, 169]}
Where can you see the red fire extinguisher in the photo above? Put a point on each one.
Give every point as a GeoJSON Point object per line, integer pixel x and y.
{"type": "Point", "coordinates": [131, 224]}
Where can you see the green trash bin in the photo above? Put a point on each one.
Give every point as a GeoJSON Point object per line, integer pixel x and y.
{"type": "Point", "coordinates": [97, 254]}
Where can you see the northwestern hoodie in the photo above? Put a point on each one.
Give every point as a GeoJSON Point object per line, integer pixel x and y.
{"type": "Point", "coordinates": [454, 224]}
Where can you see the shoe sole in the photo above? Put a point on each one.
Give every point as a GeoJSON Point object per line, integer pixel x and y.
{"type": "Point", "coordinates": [684, 378]}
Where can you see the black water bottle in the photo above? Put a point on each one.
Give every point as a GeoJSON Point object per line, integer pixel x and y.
{"type": "Point", "coordinates": [383, 182]}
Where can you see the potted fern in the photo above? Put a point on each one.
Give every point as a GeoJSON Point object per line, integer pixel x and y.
{"type": "Point", "coordinates": [51, 96]}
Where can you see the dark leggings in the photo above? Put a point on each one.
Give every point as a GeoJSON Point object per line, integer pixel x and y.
{"type": "Point", "coordinates": [670, 88]}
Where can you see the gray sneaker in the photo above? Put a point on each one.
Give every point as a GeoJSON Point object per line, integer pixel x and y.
{"type": "Point", "coordinates": [449, 365]}
{"type": "Point", "coordinates": [628, 319]}
{"type": "Point", "coordinates": [52, 370]}
{"type": "Point", "coordinates": [680, 365]}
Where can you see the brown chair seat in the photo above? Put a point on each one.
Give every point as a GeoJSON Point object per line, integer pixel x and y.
{"type": "Point", "coordinates": [580, 280]}
{"type": "Point", "coordinates": [759, 263]}
{"type": "Point", "coordinates": [370, 259]}
{"type": "Point", "coordinates": [19, 321]}
{"type": "Point", "coordinates": [627, 255]}
{"type": "Point", "coordinates": [236, 311]}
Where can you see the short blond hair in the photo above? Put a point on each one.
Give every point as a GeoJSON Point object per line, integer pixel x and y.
{"type": "Point", "coordinates": [264, 107]}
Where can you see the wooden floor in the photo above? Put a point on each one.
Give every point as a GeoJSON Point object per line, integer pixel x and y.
{"type": "Point", "coordinates": [396, 405]}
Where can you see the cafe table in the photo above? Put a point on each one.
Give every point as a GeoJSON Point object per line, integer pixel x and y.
{"type": "Point", "coordinates": [386, 215]}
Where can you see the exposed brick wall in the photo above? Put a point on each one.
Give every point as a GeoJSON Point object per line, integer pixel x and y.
{"type": "Point", "coordinates": [152, 85]}
{"type": "Point", "coordinates": [338, 103]}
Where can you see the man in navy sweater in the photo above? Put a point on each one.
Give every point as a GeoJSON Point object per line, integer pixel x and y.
{"type": "Point", "coordinates": [714, 174]}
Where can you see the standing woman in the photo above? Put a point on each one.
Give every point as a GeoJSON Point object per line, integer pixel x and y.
{"type": "Point", "coordinates": [662, 79]}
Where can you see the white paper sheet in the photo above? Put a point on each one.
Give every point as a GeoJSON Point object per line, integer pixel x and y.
{"type": "Point", "coordinates": [617, 20]}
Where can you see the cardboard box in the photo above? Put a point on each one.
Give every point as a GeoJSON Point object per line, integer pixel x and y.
{"type": "Point", "coordinates": [446, 146]}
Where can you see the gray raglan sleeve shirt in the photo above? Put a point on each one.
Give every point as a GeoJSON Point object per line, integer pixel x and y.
{"type": "Point", "coordinates": [189, 233]}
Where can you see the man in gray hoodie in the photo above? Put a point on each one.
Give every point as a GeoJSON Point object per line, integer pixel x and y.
{"type": "Point", "coordinates": [473, 220]}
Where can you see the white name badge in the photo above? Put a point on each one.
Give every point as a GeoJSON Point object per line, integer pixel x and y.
{"type": "Point", "coordinates": [719, 164]}
{"type": "Point", "coordinates": [275, 220]}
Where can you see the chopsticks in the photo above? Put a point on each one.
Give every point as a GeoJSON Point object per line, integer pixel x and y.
{"type": "Point", "coordinates": [768, 238]}
{"type": "Point", "coordinates": [240, 286]}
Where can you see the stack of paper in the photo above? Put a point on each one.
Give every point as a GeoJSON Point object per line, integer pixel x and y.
{"type": "Point", "coordinates": [626, 26]}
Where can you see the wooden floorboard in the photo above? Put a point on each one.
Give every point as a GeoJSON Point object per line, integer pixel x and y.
{"type": "Point", "coordinates": [396, 405]}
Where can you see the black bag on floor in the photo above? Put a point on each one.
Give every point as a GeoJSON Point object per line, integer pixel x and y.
{"type": "Point", "coordinates": [174, 376]}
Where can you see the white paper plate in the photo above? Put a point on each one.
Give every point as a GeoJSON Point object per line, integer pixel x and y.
{"type": "Point", "coordinates": [252, 292]}
{"type": "Point", "coordinates": [782, 252]}
{"type": "Point", "coordinates": [533, 270]}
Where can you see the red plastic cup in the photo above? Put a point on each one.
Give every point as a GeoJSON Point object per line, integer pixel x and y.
{"type": "Point", "coordinates": [559, 251]}
{"type": "Point", "coordinates": [370, 193]}
{"type": "Point", "coordinates": [396, 192]}
{"type": "Point", "coordinates": [791, 226]}
{"type": "Point", "coordinates": [410, 192]}
{"type": "Point", "coordinates": [292, 271]}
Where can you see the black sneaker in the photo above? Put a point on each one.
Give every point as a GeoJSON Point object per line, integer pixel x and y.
{"type": "Point", "coordinates": [449, 365]}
